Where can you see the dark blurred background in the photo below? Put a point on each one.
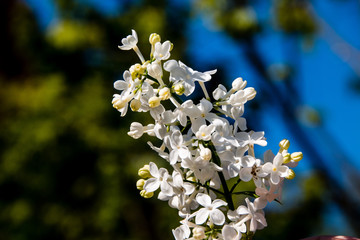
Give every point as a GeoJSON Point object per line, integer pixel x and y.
{"type": "Point", "coordinates": [67, 167]}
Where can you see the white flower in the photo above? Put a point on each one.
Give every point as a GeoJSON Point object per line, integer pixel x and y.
{"type": "Point", "coordinates": [203, 170]}
{"type": "Point", "coordinates": [137, 130]}
{"type": "Point", "coordinates": [276, 169]}
{"type": "Point", "coordinates": [266, 195]}
{"type": "Point", "coordinates": [223, 135]}
{"type": "Point", "coordinates": [179, 149]}
{"type": "Point", "coordinates": [254, 172]}
{"type": "Point", "coordinates": [236, 160]}
{"type": "Point", "coordinates": [240, 122]}
{"type": "Point", "coordinates": [251, 213]}
{"type": "Point", "coordinates": [199, 118]}
{"type": "Point", "coordinates": [238, 84]}
{"type": "Point", "coordinates": [251, 138]}
{"type": "Point", "coordinates": [182, 232]}
{"type": "Point", "coordinates": [162, 51]}
{"type": "Point", "coordinates": [129, 42]}
{"type": "Point", "coordinates": [204, 132]}
{"type": "Point", "coordinates": [154, 69]}
{"type": "Point", "coordinates": [186, 109]}
{"type": "Point", "coordinates": [160, 179]}
{"type": "Point", "coordinates": [127, 84]}
{"type": "Point", "coordinates": [205, 153]}
{"type": "Point", "coordinates": [120, 102]}
{"type": "Point", "coordinates": [219, 92]}
{"type": "Point", "coordinates": [179, 72]}
{"type": "Point", "coordinates": [210, 209]}
{"type": "Point", "coordinates": [181, 190]}
{"type": "Point", "coordinates": [238, 99]}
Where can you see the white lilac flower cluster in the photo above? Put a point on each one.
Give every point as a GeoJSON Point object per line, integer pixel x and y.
{"type": "Point", "coordinates": [206, 144]}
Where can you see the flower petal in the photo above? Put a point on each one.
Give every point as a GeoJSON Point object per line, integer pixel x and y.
{"type": "Point", "coordinates": [201, 216]}
{"type": "Point", "coordinates": [217, 217]}
{"type": "Point", "coordinates": [203, 199]}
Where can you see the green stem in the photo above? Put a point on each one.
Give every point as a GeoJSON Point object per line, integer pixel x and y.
{"type": "Point", "coordinates": [227, 193]}
{"type": "Point", "coordinates": [233, 187]}
{"type": "Point", "coordinates": [248, 193]}
{"type": "Point", "coordinates": [205, 186]}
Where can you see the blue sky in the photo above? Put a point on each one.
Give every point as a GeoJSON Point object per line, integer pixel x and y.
{"type": "Point", "coordinates": [323, 79]}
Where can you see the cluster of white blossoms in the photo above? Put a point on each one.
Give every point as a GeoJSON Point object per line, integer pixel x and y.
{"type": "Point", "coordinates": [206, 144]}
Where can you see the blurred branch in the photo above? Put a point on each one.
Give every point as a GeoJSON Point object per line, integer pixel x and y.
{"type": "Point", "coordinates": [287, 104]}
{"type": "Point", "coordinates": [344, 50]}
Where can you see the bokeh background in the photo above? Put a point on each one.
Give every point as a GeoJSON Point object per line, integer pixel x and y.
{"type": "Point", "coordinates": [67, 168]}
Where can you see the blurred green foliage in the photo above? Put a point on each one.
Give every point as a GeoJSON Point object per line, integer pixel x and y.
{"type": "Point", "coordinates": [68, 169]}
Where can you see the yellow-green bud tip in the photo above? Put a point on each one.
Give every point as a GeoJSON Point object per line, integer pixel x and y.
{"type": "Point", "coordinates": [286, 158]}
{"type": "Point", "coordinates": [178, 88]}
{"type": "Point", "coordinates": [146, 194]}
{"type": "Point", "coordinates": [284, 144]}
{"type": "Point", "coordinates": [154, 38]}
{"type": "Point", "coordinates": [192, 178]}
{"type": "Point", "coordinates": [144, 172]}
{"type": "Point", "coordinates": [291, 174]}
{"type": "Point", "coordinates": [135, 105]}
{"type": "Point", "coordinates": [296, 156]}
{"type": "Point", "coordinates": [140, 184]}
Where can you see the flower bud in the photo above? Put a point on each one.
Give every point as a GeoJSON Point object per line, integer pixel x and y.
{"type": "Point", "coordinates": [250, 93]}
{"type": "Point", "coordinates": [144, 172]}
{"type": "Point", "coordinates": [284, 144]}
{"type": "Point", "coordinates": [291, 174]}
{"type": "Point", "coordinates": [192, 178]}
{"type": "Point", "coordinates": [140, 184]}
{"type": "Point", "coordinates": [146, 194]}
{"type": "Point", "coordinates": [238, 84]}
{"type": "Point", "coordinates": [171, 46]}
{"type": "Point", "coordinates": [179, 88]}
{"type": "Point", "coordinates": [137, 70]}
{"type": "Point", "coordinates": [154, 69]}
{"type": "Point", "coordinates": [287, 158]}
{"type": "Point", "coordinates": [136, 130]}
{"type": "Point", "coordinates": [205, 154]}
{"type": "Point", "coordinates": [296, 156]}
{"type": "Point", "coordinates": [117, 102]}
{"type": "Point", "coordinates": [154, 102]}
{"type": "Point", "coordinates": [135, 105]}
{"type": "Point", "coordinates": [154, 38]}
{"type": "Point", "coordinates": [164, 93]}
{"type": "Point", "coordinates": [198, 233]}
